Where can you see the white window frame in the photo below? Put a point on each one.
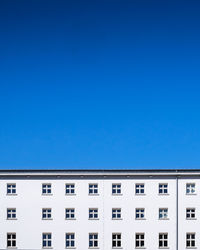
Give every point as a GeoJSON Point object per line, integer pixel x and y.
{"type": "Point", "coordinates": [12, 212]}
{"type": "Point", "coordinates": [71, 213]}
{"type": "Point", "coordinates": [11, 240]}
{"type": "Point", "coordinates": [93, 189]}
{"type": "Point", "coordinates": [190, 188]}
{"type": "Point", "coordinates": [139, 189]}
{"type": "Point", "coordinates": [46, 240]}
{"type": "Point", "coordinates": [139, 240]}
{"type": "Point", "coordinates": [70, 189]}
{"type": "Point", "coordinates": [46, 189]}
{"type": "Point", "coordinates": [163, 240]}
{"type": "Point", "coordinates": [93, 240]}
{"type": "Point", "coordinates": [140, 213]}
{"type": "Point", "coordinates": [163, 189]}
{"type": "Point", "coordinates": [70, 240]}
{"type": "Point", "coordinates": [93, 214]}
{"type": "Point", "coordinates": [190, 241]}
{"type": "Point", "coordinates": [11, 189]}
{"type": "Point", "coordinates": [116, 188]}
{"type": "Point", "coordinates": [116, 240]}
{"type": "Point", "coordinates": [45, 213]}
{"type": "Point", "coordinates": [116, 213]}
{"type": "Point", "coordinates": [163, 213]}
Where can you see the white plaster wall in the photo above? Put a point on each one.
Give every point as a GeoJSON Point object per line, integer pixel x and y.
{"type": "Point", "coordinates": [188, 201]}
{"type": "Point", "coordinates": [29, 202]}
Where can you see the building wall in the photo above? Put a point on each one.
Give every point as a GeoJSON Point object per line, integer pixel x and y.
{"type": "Point", "coordinates": [188, 201]}
{"type": "Point", "coordinates": [29, 202]}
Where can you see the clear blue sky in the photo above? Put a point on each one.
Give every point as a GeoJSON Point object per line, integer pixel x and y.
{"type": "Point", "coordinates": [99, 84]}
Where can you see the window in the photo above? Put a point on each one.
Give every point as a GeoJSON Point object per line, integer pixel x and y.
{"type": "Point", "coordinates": [190, 240]}
{"type": "Point", "coordinates": [139, 213]}
{"type": "Point", "coordinates": [190, 213]}
{"type": "Point", "coordinates": [70, 240]}
{"type": "Point", "coordinates": [116, 213]}
{"type": "Point", "coordinates": [139, 188]}
{"type": "Point", "coordinates": [116, 240]}
{"type": "Point", "coordinates": [93, 213]}
{"type": "Point", "coordinates": [163, 188]}
{"type": "Point", "coordinates": [116, 188]}
{"type": "Point", "coordinates": [163, 240]}
{"type": "Point", "coordinates": [46, 213]}
{"type": "Point", "coordinates": [93, 189]}
{"type": "Point", "coordinates": [11, 188]}
{"type": "Point", "coordinates": [70, 188]}
{"type": "Point", "coordinates": [46, 240]}
{"type": "Point", "coordinates": [139, 240]}
{"type": "Point", "coordinates": [11, 240]}
{"type": "Point", "coordinates": [93, 240]}
{"type": "Point", "coordinates": [69, 213]}
{"type": "Point", "coordinates": [11, 213]}
{"type": "Point", "coordinates": [46, 188]}
{"type": "Point", "coordinates": [190, 188]}
{"type": "Point", "coordinates": [163, 213]}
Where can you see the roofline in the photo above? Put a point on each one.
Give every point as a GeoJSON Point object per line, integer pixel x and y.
{"type": "Point", "coordinates": [97, 172]}
{"type": "Point", "coordinates": [102, 170]}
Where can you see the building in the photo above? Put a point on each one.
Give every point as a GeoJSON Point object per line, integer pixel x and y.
{"type": "Point", "coordinates": [104, 209]}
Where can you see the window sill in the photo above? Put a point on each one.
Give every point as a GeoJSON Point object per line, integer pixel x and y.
{"type": "Point", "coordinates": [117, 219]}
{"type": "Point", "coordinates": [163, 194]}
{"type": "Point", "coordinates": [70, 247]}
{"type": "Point", "coordinates": [93, 194]}
{"type": "Point", "coordinates": [164, 219]}
{"type": "Point", "coordinates": [46, 194]}
{"type": "Point", "coordinates": [140, 194]}
{"type": "Point", "coordinates": [47, 219]}
{"type": "Point", "coordinates": [12, 219]}
{"type": "Point", "coordinates": [117, 194]}
{"type": "Point", "coordinates": [70, 194]}
{"type": "Point", "coordinates": [140, 247]}
{"type": "Point", "coordinates": [191, 194]}
{"type": "Point", "coordinates": [191, 247]}
{"type": "Point", "coordinates": [70, 219]}
{"type": "Point", "coordinates": [140, 219]}
{"type": "Point", "coordinates": [93, 218]}
{"type": "Point", "coordinates": [11, 195]}
{"type": "Point", "coordinates": [191, 218]}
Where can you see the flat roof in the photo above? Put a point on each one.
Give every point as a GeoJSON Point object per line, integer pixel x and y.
{"type": "Point", "coordinates": [99, 172]}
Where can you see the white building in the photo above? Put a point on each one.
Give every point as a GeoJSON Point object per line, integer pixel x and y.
{"type": "Point", "coordinates": [104, 209]}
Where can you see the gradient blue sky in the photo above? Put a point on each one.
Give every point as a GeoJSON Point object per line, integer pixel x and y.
{"type": "Point", "coordinates": [99, 84]}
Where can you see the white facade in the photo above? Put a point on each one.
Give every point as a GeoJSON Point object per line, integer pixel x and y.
{"type": "Point", "coordinates": [26, 213]}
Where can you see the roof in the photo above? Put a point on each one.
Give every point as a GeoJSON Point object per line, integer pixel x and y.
{"type": "Point", "coordinates": [99, 172]}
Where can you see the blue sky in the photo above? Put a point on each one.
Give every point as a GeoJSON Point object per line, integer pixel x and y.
{"type": "Point", "coordinates": [99, 84]}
